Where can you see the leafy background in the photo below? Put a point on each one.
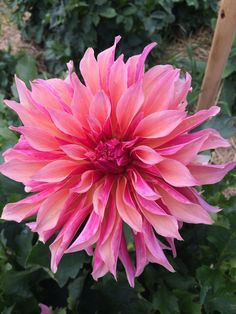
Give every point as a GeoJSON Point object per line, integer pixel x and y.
{"type": "Point", "coordinates": [205, 277]}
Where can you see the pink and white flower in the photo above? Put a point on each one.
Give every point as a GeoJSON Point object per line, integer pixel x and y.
{"type": "Point", "coordinates": [110, 151]}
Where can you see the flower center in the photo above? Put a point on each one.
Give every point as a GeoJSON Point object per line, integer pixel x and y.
{"type": "Point", "coordinates": [111, 156]}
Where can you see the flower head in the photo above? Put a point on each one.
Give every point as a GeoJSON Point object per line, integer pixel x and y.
{"type": "Point", "coordinates": [114, 150]}
{"type": "Point", "coordinates": [44, 309]}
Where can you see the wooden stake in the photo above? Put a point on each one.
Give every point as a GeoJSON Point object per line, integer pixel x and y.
{"type": "Point", "coordinates": [219, 53]}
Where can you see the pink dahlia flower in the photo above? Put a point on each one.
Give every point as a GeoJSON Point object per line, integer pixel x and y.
{"type": "Point", "coordinates": [114, 150]}
{"type": "Point", "coordinates": [44, 309]}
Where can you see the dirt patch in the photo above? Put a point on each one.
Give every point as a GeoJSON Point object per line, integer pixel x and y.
{"type": "Point", "coordinates": [10, 38]}
{"type": "Point", "coordinates": [200, 43]}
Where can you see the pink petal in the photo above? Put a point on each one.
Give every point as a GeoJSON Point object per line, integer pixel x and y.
{"type": "Point", "coordinates": [160, 92]}
{"type": "Point", "coordinates": [39, 139]}
{"type": "Point", "coordinates": [126, 208]}
{"type": "Point", "coordinates": [141, 186]}
{"type": "Point", "coordinates": [140, 64]}
{"type": "Point", "coordinates": [159, 124]}
{"type": "Point", "coordinates": [204, 204]}
{"type": "Point", "coordinates": [24, 94]}
{"type": "Point", "coordinates": [109, 248]}
{"type": "Point", "coordinates": [81, 100]}
{"type": "Point", "coordinates": [55, 171]}
{"type": "Point", "coordinates": [88, 178]}
{"type": "Point", "coordinates": [182, 88]}
{"type": "Point", "coordinates": [117, 81]}
{"type": "Point", "coordinates": [62, 88]}
{"type": "Point", "coordinates": [75, 151]}
{"type": "Point", "coordinates": [210, 174]}
{"type": "Point", "coordinates": [163, 223]}
{"type": "Point", "coordinates": [195, 197]}
{"type": "Point", "coordinates": [43, 94]}
{"type": "Point", "coordinates": [21, 171]}
{"type": "Point", "coordinates": [175, 173]}
{"type": "Point", "coordinates": [188, 124]}
{"type": "Point", "coordinates": [45, 309]}
{"type": "Point", "coordinates": [156, 254]}
{"type": "Point", "coordinates": [24, 208]}
{"type": "Point", "coordinates": [100, 110]}
{"type": "Point", "coordinates": [101, 196]}
{"type": "Point", "coordinates": [147, 155]}
{"type": "Point", "coordinates": [126, 261]}
{"type": "Point", "coordinates": [66, 123]}
{"type": "Point", "coordinates": [140, 249]}
{"type": "Point", "coordinates": [186, 212]}
{"type": "Point", "coordinates": [99, 267]}
{"type": "Point", "coordinates": [88, 236]}
{"type": "Point", "coordinates": [62, 241]}
{"type": "Point", "coordinates": [214, 140]}
{"type": "Point", "coordinates": [50, 210]}
{"type": "Point", "coordinates": [128, 106]}
{"type": "Point", "coordinates": [187, 152]}
{"type": "Point", "coordinates": [105, 61]}
{"type": "Point", "coordinates": [91, 78]}
{"type": "Point", "coordinates": [135, 65]}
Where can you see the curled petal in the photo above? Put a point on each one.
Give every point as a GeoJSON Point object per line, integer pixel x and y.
{"type": "Point", "coordinates": [142, 187]}
{"type": "Point", "coordinates": [141, 254]}
{"type": "Point", "coordinates": [154, 250]}
{"type": "Point", "coordinates": [99, 111]}
{"type": "Point", "coordinates": [159, 124]}
{"type": "Point", "coordinates": [129, 105]}
{"type": "Point", "coordinates": [186, 212]}
{"type": "Point", "coordinates": [39, 139]}
{"type": "Point", "coordinates": [88, 236]}
{"type": "Point", "coordinates": [75, 151]}
{"type": "Point", "coordinates": [20, 171]}
{"type": "Point", "coordinates": [91, 78]}
{"type": "Point", "coordinates": [66, 123]}
{"type": "Point", "coordinates": [105, 61]}
{"type": "Point", "coordinates": [101, 196]}
{"type": "Point", "coordinates": [126, 261]}
{"type": "Point", "coordinates": [135, 64]}
{"type": "Point", "coordinates": [126, 207]}
{"type": "Point", "coordinates": [62, 241]}
{"type": "Point", "coordinates": [164, 224]}
{"type": "Point", "coordinates": [147, 155]}
{"type": "Point", "coordinates": [55, 171]}
{"type": "Point", "coordinates": [109, 248]}
{"type": "Point", "coordinates": [117, 81]}
{"type": "Point", "coordinates": [175, 173]}
{"type": "Point", "coordinates": [160, 93]}
{"type": "Point", "coordinates": [88, 178]}
{"type": "Point", "coordinates": [45, 309]}
{"type": "Point", "coordinates": [210, 174]}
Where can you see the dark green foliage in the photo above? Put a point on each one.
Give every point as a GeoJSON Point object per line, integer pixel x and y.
{"type": "Point", "coordinates": [64, 29]}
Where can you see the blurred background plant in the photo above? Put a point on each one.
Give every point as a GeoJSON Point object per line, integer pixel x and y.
{"type": "Point", "coordinates": [54, 32]}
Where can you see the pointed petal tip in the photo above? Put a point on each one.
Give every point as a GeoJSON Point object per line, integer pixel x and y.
{"type": "Point", "coordinates": [117, 39]}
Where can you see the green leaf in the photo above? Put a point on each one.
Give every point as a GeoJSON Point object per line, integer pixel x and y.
{"type": "Point", "coordinates": [8, 310]}
{"type": "Point", "coordinates": [75, 289]}
{"type": "Point", "coordinates": [222, 123]}
{"type": "Point", "coordinates": [26, 67]}
{"type": "Point", "coordinates": [114, 297]}
{"type": "Point", "coordinates": [40, 255]}
{"type": "Point", "coordinates": [23, 245]}
{"type": "Point", "coordinates": [164, 301]}
{"type": "Point", "coordinates": [108, 13]}
{"type": "Point", "coordinates": [188, 302]}
{"type": "Point", "coordinates": [229, 69]}
{"type": "Point", "coordinates": [69, 267]}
